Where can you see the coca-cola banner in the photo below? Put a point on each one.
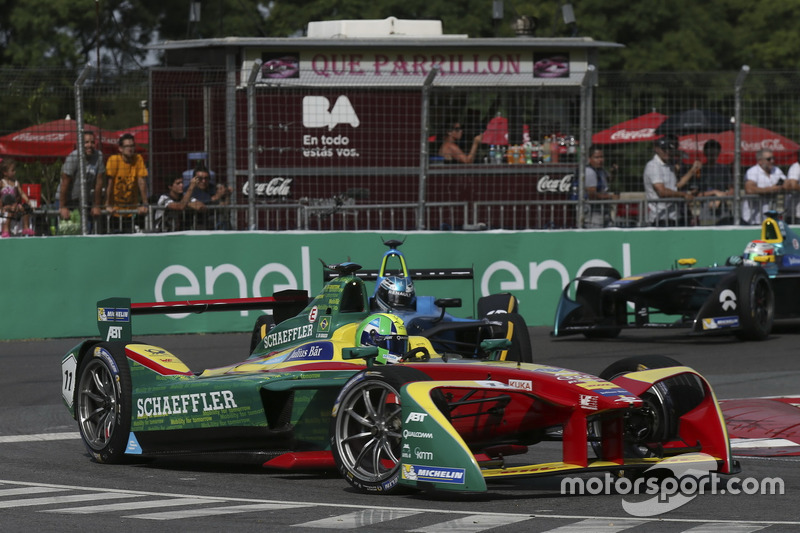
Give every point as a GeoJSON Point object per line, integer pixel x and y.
{"type": "Point", "coordinates": [274, 188]}
{"type": "Point", "coordinates": [548, 184]}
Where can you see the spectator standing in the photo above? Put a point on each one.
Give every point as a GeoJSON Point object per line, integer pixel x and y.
{"type": "Point", "coordinates": [660, 182]}
{"type": "Point", "coordinates": [453, 153]}
{"type": "Point", "coordinates": [127, 182]}
{"type": "Point", "coordinates": [174, 203]}
{"type": "Point", "coordinates": [69, 192]}
{"type": "Point", "coordinates": [596, 188]}
{"type": "Point", "coordinates": [765, 180]}
{"type": "Point", "coordinates": [716, 180]}
{"type": "Point", "coordinates": [792, 184]}
{"type": "Point", "coordinates": [13, 201]}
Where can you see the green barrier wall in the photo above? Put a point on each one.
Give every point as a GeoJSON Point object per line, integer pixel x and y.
{"type": "Point", "coordinates": [50, 286]}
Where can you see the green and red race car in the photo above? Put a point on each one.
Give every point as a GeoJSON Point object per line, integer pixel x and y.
{"type": "Point", "coordinates": [335, 385]}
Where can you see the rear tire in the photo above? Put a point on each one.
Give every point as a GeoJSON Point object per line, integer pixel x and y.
{"type": "Point", "coordinates": [103, 402]}
{"type": "Point", "coordinates": [514, 329]}
{"type": "Point", "coordinates": [500, 303]}
{"type": "Point", "coordinates": [264, 324]}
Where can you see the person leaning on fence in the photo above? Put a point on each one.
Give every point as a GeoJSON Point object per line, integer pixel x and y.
{"type": "Point", "coordinates": [127, 183]}
{"type": "Point", "coordinates": [209, 194]}
{"type": "Point", "coordinates": [765, 180]}
{"type": "Point", "coordinates": [14, 207]}
{"type": "Point", "coordinates": [660, 182]}
{"type": "Point", "coordinates": [716, 180]}
{"type": "Point", "coordinates": [792, 186]}
{"type": "Point", "coordinates": [206, 191]}
{"type": "Point", "coordinates": [174, 203]}
{"type": "Point", "coordinates": [596, 188]}
{"type": "Point", "coordinates": [451, 152]}
{"type": "Point", "coordinates": [69, 192]}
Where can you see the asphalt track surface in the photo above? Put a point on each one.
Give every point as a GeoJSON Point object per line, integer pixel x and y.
{"type": "Point", "coordinates": [48, 482]}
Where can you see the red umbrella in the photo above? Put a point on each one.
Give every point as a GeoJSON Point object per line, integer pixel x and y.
{"type": "Point", "coordinates": [51, 140]}
{"type": "Point", "coordinates": [753, 139]}
{"type": "Point", "coordinates": [634, 130]}
{"type": "Point", "coordinates": [496, 132]}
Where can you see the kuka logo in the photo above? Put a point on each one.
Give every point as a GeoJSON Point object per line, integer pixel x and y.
{"type": "Point", "coordinates": [317, 112]}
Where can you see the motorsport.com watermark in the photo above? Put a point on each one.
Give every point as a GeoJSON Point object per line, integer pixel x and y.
{"type": "Point", "coordinates": [688, 480]}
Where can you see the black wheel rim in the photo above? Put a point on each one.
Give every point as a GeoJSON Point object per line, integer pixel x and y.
{"type": "Point", "coordinates": [98, 405]}
{"type": "Point", "coordinates": [369, 431]}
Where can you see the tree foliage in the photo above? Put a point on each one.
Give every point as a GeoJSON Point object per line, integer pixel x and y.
{"type": "Point", "coordinates": [680, 35]}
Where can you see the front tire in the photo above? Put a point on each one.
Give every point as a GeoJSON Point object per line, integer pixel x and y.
{"type": "Point", "coordinates": [367, 428]}
{"type": "Point", "coordinates": [103, 399]}
{"type": "Point", "coordinates": [589, 296]}
{"type": "Point", "coordinates": [664, 403]}
{"type": "Point", "coordinates": [637, 363]}
{"type": "Point", "coordinates": [756, 304]}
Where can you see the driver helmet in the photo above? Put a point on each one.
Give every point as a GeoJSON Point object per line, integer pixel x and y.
{"type": "Point", "coordinates": [388, 333]}
{"type": "Point", "coordinates": [759, 249]}
{"type": "Point", "coordinates": [395, 292]}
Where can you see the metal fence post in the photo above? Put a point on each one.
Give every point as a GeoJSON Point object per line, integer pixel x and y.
{"type": "Point", "coordinates": [251, 144]}
{"type": "Point", "coordinates": [737, 141]}
{"type": "Point", "coordinates": [81, 155]}
{"type": "Point", "coordinates": [589, 80]}
{"type": "Point", "coordinates": [230, 128]}
{"type": "Point", "coordinates": [424, 158]}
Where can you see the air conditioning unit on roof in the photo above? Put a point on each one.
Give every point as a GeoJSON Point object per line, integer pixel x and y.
{"type": "Point", "coordinates": [389, 27]}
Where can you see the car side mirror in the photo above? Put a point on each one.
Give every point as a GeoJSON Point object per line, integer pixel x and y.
{"type": "Point", "coordinates": [448, 302]}
{"type": "Point", "coordinates": [368, 353]}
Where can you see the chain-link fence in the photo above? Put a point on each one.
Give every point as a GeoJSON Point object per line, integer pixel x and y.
{"type": "Point", "coordinates": [345, 157]}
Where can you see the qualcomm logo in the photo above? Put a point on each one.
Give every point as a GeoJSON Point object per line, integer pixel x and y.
{"type": "Point", "coordinates": [317, 112]}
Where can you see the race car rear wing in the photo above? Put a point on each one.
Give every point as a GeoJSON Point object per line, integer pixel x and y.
{"type": "Point", "coordinates": [419, 274]}
{"type": "Point", "coordinates": [114, 314]}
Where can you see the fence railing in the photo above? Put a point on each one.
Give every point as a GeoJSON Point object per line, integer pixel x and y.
{"type": "Point", "coordinates": [629, 212]}
{"type": "Point", "coordinates": [386, 174]}
{"type": "Point", "coordinates": [272, 217]}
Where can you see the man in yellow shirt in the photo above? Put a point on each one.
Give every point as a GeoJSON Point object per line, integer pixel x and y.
{"type": "Point", "coordinates": [127, 183]}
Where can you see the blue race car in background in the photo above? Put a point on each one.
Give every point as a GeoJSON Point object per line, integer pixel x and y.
{"type": "Point", "coordinates": [428, 316]}
{"type": "Point", "coordinates": [745, 296]}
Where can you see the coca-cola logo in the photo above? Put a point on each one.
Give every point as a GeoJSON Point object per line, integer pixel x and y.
{"type": "Point", "coordinates": [690, 144]}
{"type": "Point", "coordinates": [633, 135]}
{"type": "Point", "coordinates": [274, 187]}
{"type": "Point", "coordinates": [773, 144]}
{"type": "Point", "coordinates": [548, 184]}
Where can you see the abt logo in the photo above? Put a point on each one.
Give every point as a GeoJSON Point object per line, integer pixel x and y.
{"type": "Point", "coordinates": [416, 417]}
{"type": "Point", "coordinates": [317, 112]}
{"type": "Point", "coordinates": [114, 332]}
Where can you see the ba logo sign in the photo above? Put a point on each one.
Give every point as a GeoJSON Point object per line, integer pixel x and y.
{"type": "Point", "coordinates": [317, 112]}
